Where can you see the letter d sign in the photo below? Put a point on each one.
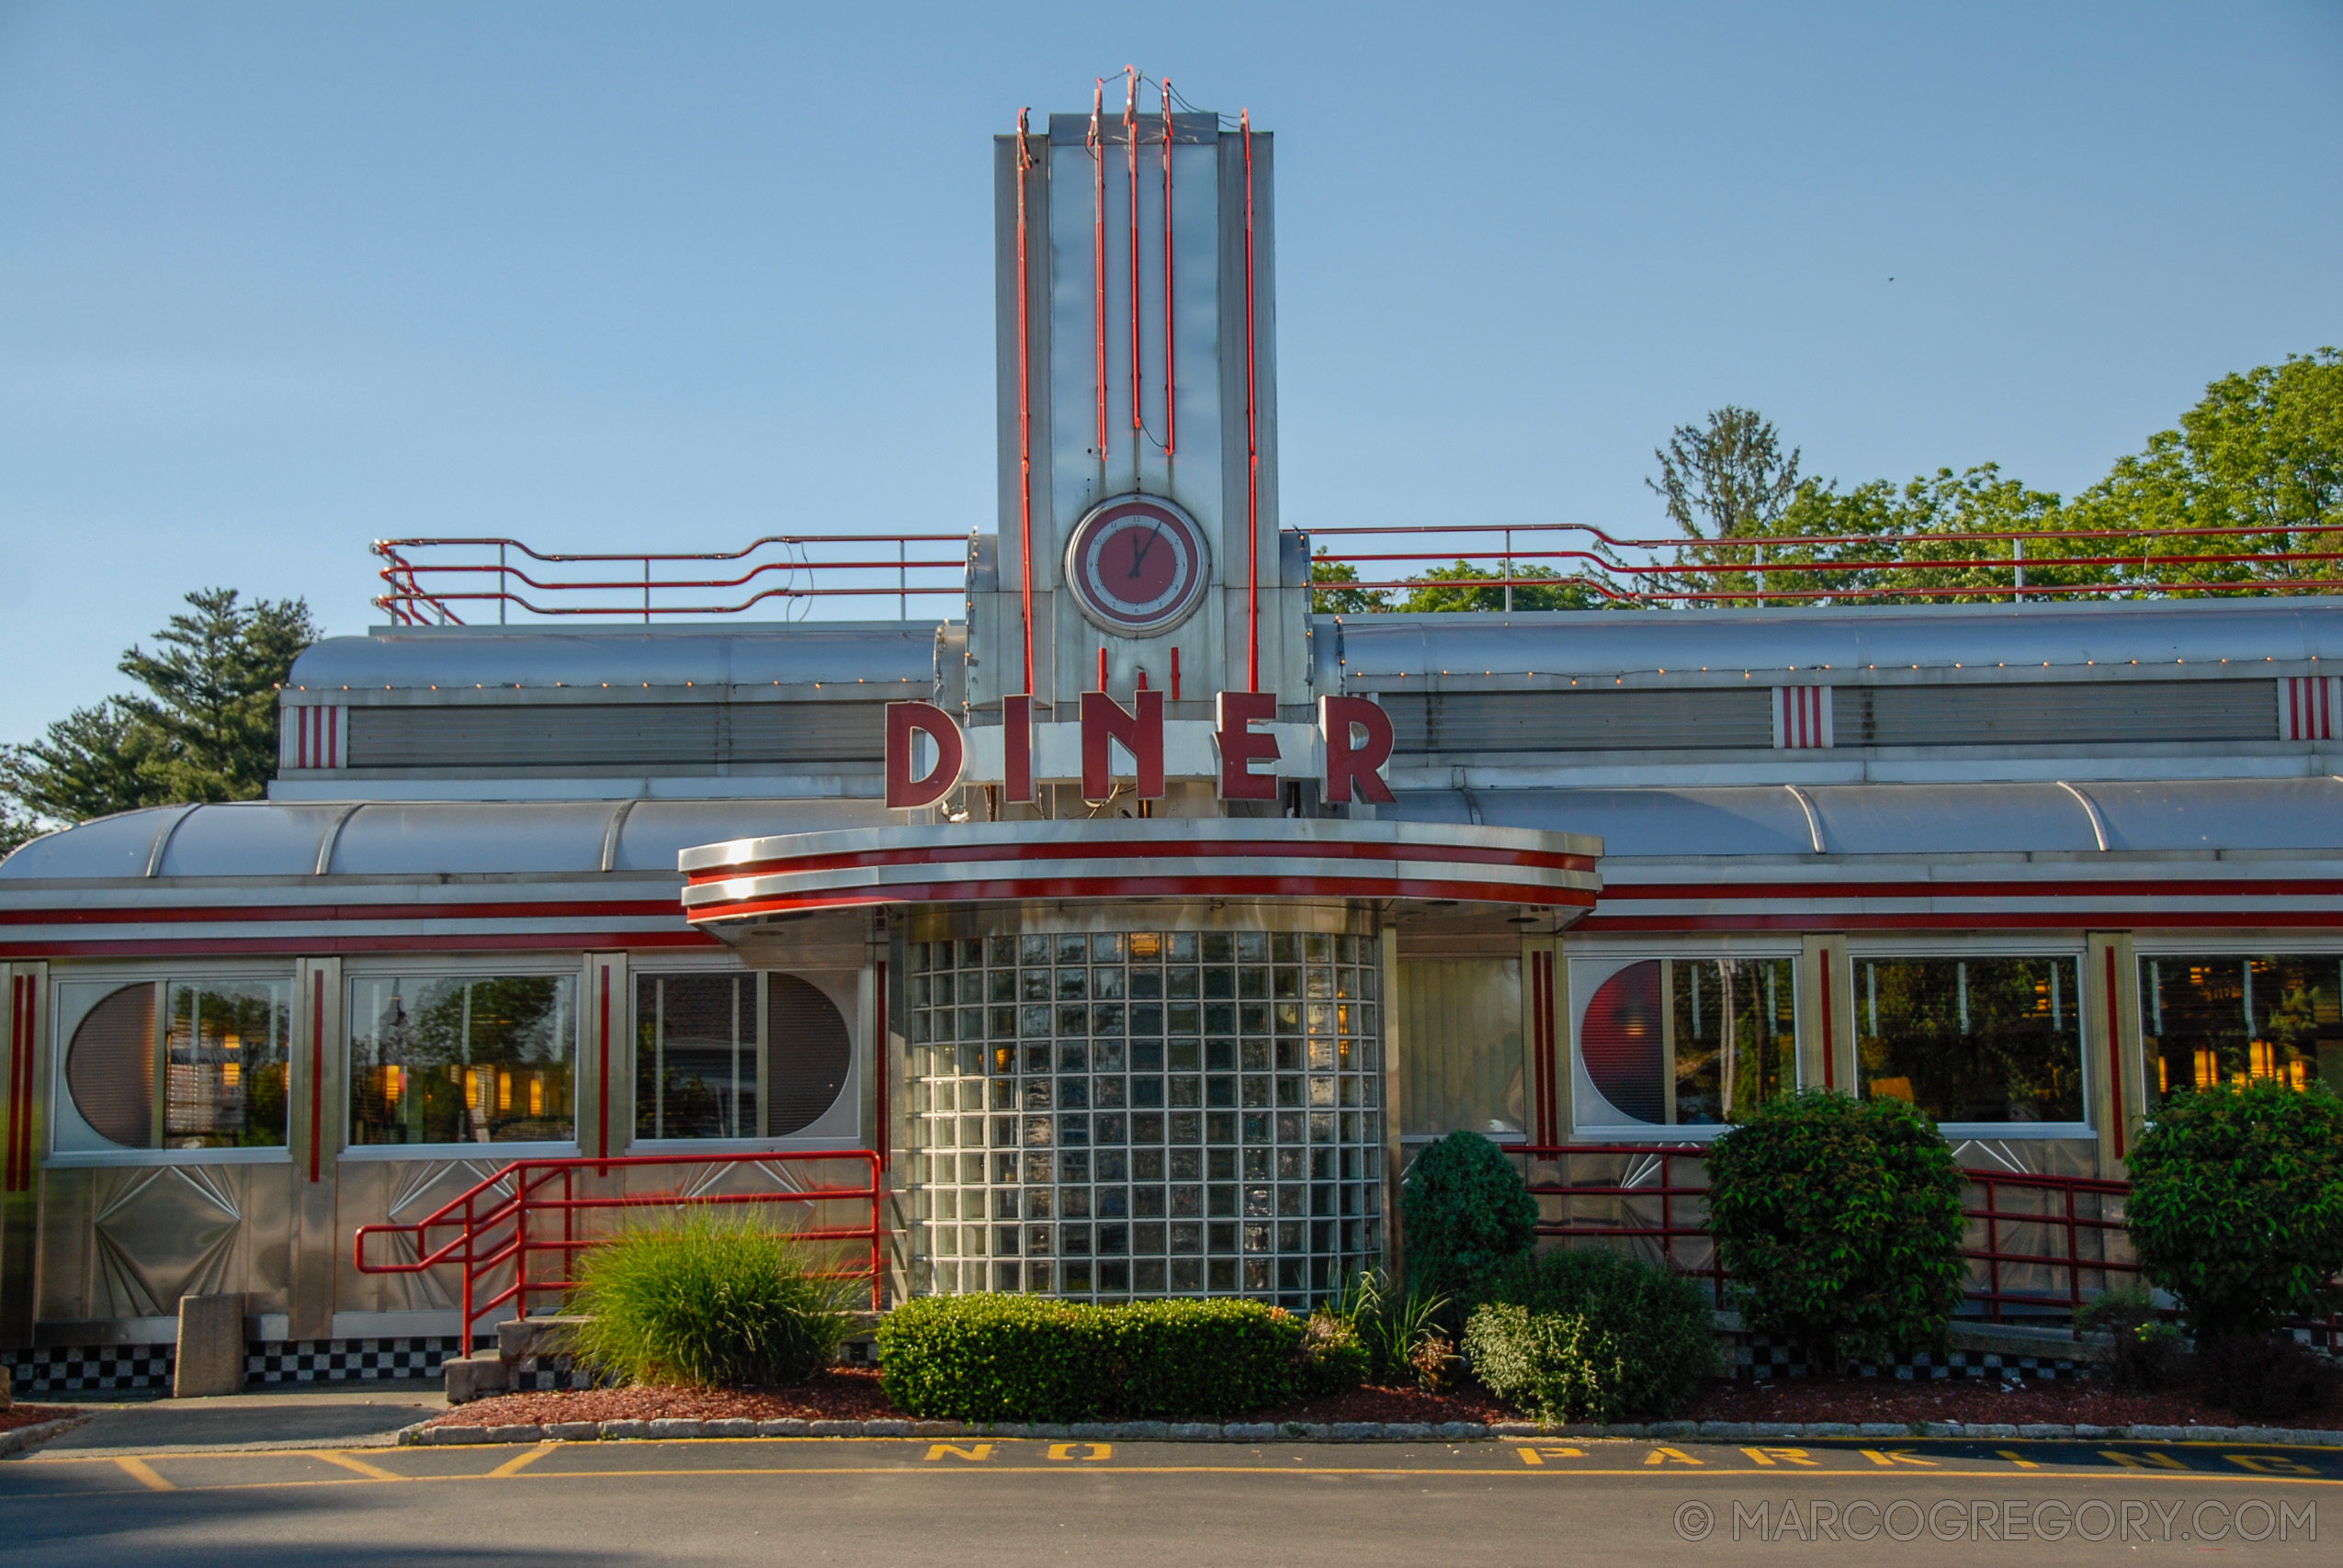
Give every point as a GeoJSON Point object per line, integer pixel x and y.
{"type": "Point", "coordinates": [904, 720]}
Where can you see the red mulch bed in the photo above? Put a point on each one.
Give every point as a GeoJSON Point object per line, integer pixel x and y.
{"type": "Point", "coordinates": [854, 1394]}
{"type": "Point", "coordinates": [33, 1416]}
{"type": "Point", "coordinates": [1958, 1399]}
{"type": "Point", "coordinates": [846, 1393]}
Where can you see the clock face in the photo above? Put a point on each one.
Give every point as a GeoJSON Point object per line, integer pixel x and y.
{"type": "Point", "coordinates": [1136, 565]}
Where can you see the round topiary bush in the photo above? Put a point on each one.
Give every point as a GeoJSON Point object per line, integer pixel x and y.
{"type": "Point", "coordinates": [1463, 1212]}
{"type": "Point", "coordinates": [1838, 1222]}
{"type": "Point", "coordinates": [2236, 1204]}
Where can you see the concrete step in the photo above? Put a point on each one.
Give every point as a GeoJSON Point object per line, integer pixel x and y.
{"type": "Point", "coordinates": [519, 1339]}
{"type": "Point", "coordinates": [476, 1376]}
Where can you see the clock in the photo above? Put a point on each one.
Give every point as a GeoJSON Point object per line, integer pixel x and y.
{"type": "Point", "coordinates": [1136, 565]}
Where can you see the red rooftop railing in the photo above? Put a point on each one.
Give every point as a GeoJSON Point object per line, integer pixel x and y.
{"type": "Point", "coordinates": [460, 580]}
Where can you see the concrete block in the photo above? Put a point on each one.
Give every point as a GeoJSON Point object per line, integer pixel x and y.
{"type": "Point", "coordinates": [786, 1426]}
{"type": "Point", "coordinates": [1407, 1431]}
{"type": "Point", "coordinates": [519, 1339]}
{"type": "Point", "coordinates": [1726, 1429]}
{"type": "Point", "coordinates": [442, 1436]}
{"type": "Point", "coordinates": [1835, 1429]}
{"type": "Point", "coordinates": [833, 1428]}
{"type": "Point", "coordinates": [1250, 1432]}
{"type": "Point", "coordinates": [212, 1346]}
{"type": "Point", "coordinates": [629, 1429]}
{"type": "Point", "coordinates": [476, 1376]}
{"type": "Point", "coordinates": [1355, 1431]}
{"type": "Point", "coordinates": [1095, 1431]}
{"type": "Point", "coordinates": [1193, 1431]}
{"type": "Point", "coordinates": [1885, 1429]}
{"type": "Point", "coordinates": [887, 1427]}
{"type": "Point", "coordinates": [1456, 1430]}
{"type": "Point", "coordinates": [523, 1432]}
{"type": "Point", "coordinates": [2045, 1429]}
{"type": "Point", "coordinates": [1147, 1432]}
{"type": "Point", "coordinates": [1992, 1429]}
{"type": "Point", "coordinates": [939, 1429]}
{"type": "Point", "coordinates": [1521, 1429]}
{"type": "Point", "coordinates": [574, 1431]}
{"type": "Point", "coordinates": [730, 1427]}
{"type": "Point", "coordinates": [676, 1426]}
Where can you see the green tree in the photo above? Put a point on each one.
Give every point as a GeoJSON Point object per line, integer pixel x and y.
{"type": "Point", "coordinates": [1465, 586]}
{"type": "Point", "coordinates": [2262, 449]}
{"type": "Point", "coordinates": [1339, 601]}
{"type": "Point", "coordinates": [1726, 479]}
{"type": "Point", "coordinates": [203, 729]}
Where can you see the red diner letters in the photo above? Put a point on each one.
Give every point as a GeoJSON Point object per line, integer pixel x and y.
{"type": "Point", "coordinates": [1241, 746]}
{"type": "Point", "coordinates": [1358, 742]}
{"type": "Point", "coordinates": [1016, 748]}
{"type": "Point", "coordinates": [1141, 733]}
{"type": "Point", "coordinates": [905, 793]}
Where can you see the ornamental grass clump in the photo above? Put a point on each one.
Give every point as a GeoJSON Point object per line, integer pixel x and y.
{"type": "Point", "coordinates": [708, 1301]}
{"type": "Point", "coordinates": [1840, 1222]}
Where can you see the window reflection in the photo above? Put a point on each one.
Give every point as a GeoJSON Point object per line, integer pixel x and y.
{"type": "Point", "coordinates": [2231, 1020]}
{"type": "Point", "coordinates": [1972, 1039]}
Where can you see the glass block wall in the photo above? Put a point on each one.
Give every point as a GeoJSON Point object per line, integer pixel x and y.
{"type": "Point", "coordinates": [1113, 1114]}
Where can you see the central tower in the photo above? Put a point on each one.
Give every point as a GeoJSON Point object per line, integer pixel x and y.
{"type": "Point", "coordinates": [1138, 535]}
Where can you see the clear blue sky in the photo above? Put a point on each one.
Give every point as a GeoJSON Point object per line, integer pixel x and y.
{"type": "Point", "coordinates": [276, 280]}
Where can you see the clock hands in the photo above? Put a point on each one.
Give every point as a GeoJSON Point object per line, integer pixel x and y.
{"type": "Point", "coordinates": [1139, 556]}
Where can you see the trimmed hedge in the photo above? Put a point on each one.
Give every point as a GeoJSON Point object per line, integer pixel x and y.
{"type": "Point", "coordinates": [1659, 1323]}
{"type": "Point", "coordinates": [1009, 1358]}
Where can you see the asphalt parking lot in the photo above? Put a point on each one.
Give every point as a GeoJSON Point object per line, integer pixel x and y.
{"type": "Point", "coordinates": [973, 1501]}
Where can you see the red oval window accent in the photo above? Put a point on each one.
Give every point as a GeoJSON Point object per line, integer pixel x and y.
{"type": "Point", "coordinates": [1619, 1040]}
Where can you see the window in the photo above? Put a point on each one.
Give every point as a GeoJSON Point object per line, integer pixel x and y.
{"type": "Point", "coordinates": [1689, 1042]}
{"type": "Point", "coordinates": [463, 1059]}
{"type": "Point", "coordinates": [2210, 1020]}
{"type": "Point", "coordinates": [220, 1046]}
{"type": "Point", "coordinates": [1972, 1039]}
{"type": "Point", "coordinates": [708, 1060]}
{"type": "Point", "coordinates": [1460, 1038]}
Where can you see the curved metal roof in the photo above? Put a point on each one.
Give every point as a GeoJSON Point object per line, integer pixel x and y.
{"type": "Point", "coordinates": [414, 839]}
{"type": "Point", "coordinates": [1915, 819]}
{"type": "Point", "coordinates": [792, 655]}
{"type": "Point", "coordinates": [1577, 642]}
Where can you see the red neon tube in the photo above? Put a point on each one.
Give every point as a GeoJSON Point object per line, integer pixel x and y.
{"type": "Point", "coordinates": [1131, 197]}
{"type": "Point", "coordinates": [1098, 264]}
{"type": "Point", "coordinates": [1171, 397]}
{"type": "Point", "coordinates": [1252, 437]}
{"type": "Point", "coordinates": [1024, 396]}
{"type": "Point", "coordinates": [317, 1075]}
{"type": "Point", "coordinates": [2115, 1053]}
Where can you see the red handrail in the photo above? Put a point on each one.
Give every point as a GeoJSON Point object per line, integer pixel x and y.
{"type": "Point", "coordinates": [1676, 1228]}
{"type": "Point", "coordinates": [490, 1222]}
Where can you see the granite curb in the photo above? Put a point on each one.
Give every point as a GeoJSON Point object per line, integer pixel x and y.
{"type": "Point", "coordinates": [40, 1432]}
{"type": "Point", "coordinates": [671, 1428]}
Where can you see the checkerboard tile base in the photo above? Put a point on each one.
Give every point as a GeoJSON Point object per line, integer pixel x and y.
{"type": "Point", "coordinates": [346, 1360]}
{"type": "Point", "coordinates": [1759, 1358]}
{"type": "Point", "coordinates": [97, 1369]}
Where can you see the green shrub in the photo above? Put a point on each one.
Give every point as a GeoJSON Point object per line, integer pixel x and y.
{"type": "Point", "coordinates": [1838, 1222]}
{"type": "Point", "coordinates": [2236, 1204]}
{"type": "Point", "coordinates": [1463, 1211]}
{"type": "Point", "coordinates": [1660, 1321]}
{"type": "Point", "coordinates": [1555, 1366]}
{"type": "Point", "coordinates": [2265, 1377]}
{"type": "Point", "coordinates": [2142, 1348]}
{"type": "Point", "coordinates": [1007, 1357]}
{"type": "Point", "coordinates": [708, 1301]}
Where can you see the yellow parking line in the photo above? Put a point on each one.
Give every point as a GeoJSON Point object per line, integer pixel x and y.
{"type": "Point", "coordinates": [348, 1462]}
{"type": "Point", "coordinates": [521, 1461]}
{"type": "Point", "coordinates": [143, 1474]}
